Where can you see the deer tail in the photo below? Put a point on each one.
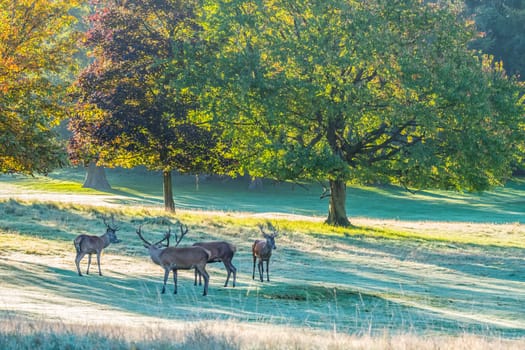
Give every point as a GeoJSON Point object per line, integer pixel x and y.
{"type": "Point", "coordinates": [233, 248]}
{"type": "Point", "coordinates": [77, 242]}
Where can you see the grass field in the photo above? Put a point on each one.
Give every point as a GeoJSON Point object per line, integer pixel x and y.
{"type": "Point", "coordinates": [431, 270]}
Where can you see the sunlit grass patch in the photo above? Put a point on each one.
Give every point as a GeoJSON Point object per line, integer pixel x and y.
{"type": "Point", "coordinates": [48, 184]}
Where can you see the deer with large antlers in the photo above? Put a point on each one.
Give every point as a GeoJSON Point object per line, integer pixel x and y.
{"type": "Point", "coordinates": [174, 258]}
{"type": "Point", "coordinates": [220, 251]}
{"type": "Point", "coordinates": [262, 250]}
{"type": "Point", "coordinates": [86, 244]}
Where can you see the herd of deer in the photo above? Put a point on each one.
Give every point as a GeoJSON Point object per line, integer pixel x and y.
{"type": "Point", "coordinates": [181, 258]}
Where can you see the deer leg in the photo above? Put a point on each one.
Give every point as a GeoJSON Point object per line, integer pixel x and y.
{"type": "Point", "coordinates": [229, 273]}
{"type": "Point", "coordinates": [234, 270]}
{"type": "Point", "coordinates": [206, 276]}
{"type": "Point", "coordinates": [261, 270]}
{"type": "Point", "coordinates": [231, 269]}
{"type": "Point", "coordinates": [254, 260]}
{"type": "Point", "coordinates": [197, 274]}
{"type": "Point", "coordinates": [89, 263]}
{"type": "Point", "coordinates": [166, 274]}
{"type": "Point", "coordinates": [175, 276]}
{"type": "Point", "coordinates": [79, 257]}
{"type": "Point", "coordinates": [268, 270]}
{"type": "Point", "coordinates": [98, 264]}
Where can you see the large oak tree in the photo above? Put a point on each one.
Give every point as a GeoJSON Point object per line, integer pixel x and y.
{"type": "Point", "coordinates": [361, 91]}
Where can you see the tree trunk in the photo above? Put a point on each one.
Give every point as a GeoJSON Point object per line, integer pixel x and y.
{"type": "Point", "coordinates": [337, 207]}
{"type": "Point", "coordinates": [96, 178]}
{"type": "Point", "coordinates": [169, 204]}
{"type": "Point", "coordinates": [255, 184]}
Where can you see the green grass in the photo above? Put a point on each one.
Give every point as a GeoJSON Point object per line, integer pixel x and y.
{"type": "Point", "coordinates": [382, 282]}
{"type": "Point", "coordinates": [140, 187]}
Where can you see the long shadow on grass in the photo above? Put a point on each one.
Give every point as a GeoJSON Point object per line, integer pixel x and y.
{"type": "Point", "coordinates": [290, 303]}
{"type": "Point", "coordinates": [476, 291]}
{"type": "Point", "coordinates": [331, 294]}
{"type": "Point", "coordinates": [391, 202]}
{"type": "Point", "coordinates": [488, 261]}
{"type": "Point", "coordinates": [388, 202]}
{"type": "Point", "coordinates": [383, 203]}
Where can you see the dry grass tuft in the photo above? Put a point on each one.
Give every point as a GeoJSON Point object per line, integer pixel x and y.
{"type": "Point", "coordinates": [18, 333]}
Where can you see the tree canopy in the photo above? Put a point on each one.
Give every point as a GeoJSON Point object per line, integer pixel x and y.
{"type": "Point", "coordinates": [137, 99]}
{"type": "Point", "coordinates": [369, 92]}
{"type": "Point", "coordinates": [37, 46]}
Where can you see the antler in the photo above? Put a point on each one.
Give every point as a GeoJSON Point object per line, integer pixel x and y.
{"type": "Point", "coordinates": [114, 227]}
{"type": "Point", "coordinates": [166, 237]}
{"type": "Point", "coordinates": [261, 227]}
{"type": "Point", "coordinates": [139, 233]}
{"type": "Point", "coordinates": [183, 231]}
{"type": "Point", "coordinates": [270, 227]}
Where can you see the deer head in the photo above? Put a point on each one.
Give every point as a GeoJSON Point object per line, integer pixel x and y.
{"type": "Point", "coordinates": [111, 230]}
{"type": "Point", "coordinates": [270, 237]}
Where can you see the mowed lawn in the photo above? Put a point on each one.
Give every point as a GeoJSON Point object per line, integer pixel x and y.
{"type": "Point", "coordinates": [434, 262]}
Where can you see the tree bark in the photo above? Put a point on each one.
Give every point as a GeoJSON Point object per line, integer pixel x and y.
{"type": "Point", "coordinates": [169, 204]}
{"type": "Point", "coordinates": [96, 178]}
{"type": "Point", "coordinates": [337, 207]}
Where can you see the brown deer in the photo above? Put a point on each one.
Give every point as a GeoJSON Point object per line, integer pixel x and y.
{"type": "Point", "coordinates": [86, 244]}
{"type": "Point", "coordinates": [262, 250]}
{"type": "Point", "coordinates": [173, 258]}
{"type": "Point", "coordinates": [220, 251]}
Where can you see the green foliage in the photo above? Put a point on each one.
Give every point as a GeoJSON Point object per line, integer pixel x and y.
{"type": "Point", "coordinates": [382, 91]}
{"type": "Point", "coordinates": [37, 46]}
{"type": "Point", "coordinates": [137, 98]}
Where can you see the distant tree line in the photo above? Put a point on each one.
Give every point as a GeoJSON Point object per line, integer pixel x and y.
{"type": "Point", "coordinates": [502, 27]}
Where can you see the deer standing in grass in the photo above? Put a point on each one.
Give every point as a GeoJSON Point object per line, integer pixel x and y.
{"type": "Point", "coordinates": [173, 258]}
{"type": "Point", "coordinates": [262, 250]}
{"type": "Point", "coordinates": [220, 251]}
{"type": "Point", "coordinates": [86, 244]}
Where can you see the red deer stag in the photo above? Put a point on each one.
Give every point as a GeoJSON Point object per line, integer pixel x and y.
{"type": "Point", "coordinates": [86, 244]}
{"type": "Point", "coordinates": [173, 258]}
{"type": "Point", "coordinates": [262, 250]}
{"type": "Point", "coordinates": [220, 251]}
